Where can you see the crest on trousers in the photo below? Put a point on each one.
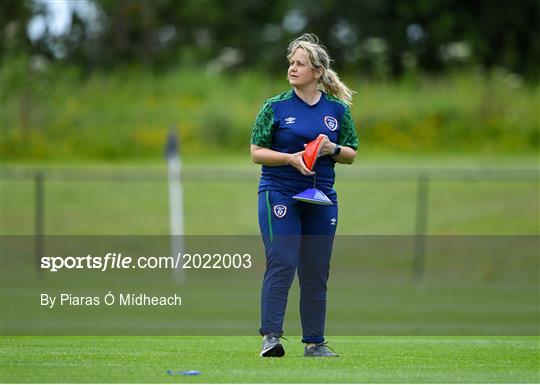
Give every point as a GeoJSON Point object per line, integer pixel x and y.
{"type": "Point", "coordinates": [280, 211]}
{"type": "Point", "coordinates": [331, 123]}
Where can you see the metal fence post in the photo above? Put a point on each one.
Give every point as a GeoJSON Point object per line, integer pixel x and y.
{"type": "Point", "coordinates": [39, 223]}
{"type": "Point", "coordinates": [422, 198]}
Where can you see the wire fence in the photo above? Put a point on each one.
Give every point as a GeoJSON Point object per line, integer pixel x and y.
{"type": "Point", "coordinates": [423, 177]}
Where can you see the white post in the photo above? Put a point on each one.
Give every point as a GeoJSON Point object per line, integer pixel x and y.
{"type": "Point", "coordinates": [176, 201]}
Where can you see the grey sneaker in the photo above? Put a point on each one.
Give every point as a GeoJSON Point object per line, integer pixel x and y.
{"type": "Point", "coordinates": [271, 346]}
{"type": "Point", "coordinates": [320, 350]}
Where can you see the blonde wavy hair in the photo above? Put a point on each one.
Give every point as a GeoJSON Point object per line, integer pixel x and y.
{"type": "Point", "coordinates": [319, 59]}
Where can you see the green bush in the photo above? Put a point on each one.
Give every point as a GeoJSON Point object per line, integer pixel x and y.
{"type": "Point", "coordinates": [54, 114]}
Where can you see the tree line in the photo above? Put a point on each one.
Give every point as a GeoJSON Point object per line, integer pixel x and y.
{"type": "Point", "coordinates": [381, 38]}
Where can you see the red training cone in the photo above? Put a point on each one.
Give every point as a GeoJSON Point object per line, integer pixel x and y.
{"type": "Point", "coordinates": [311, 152]}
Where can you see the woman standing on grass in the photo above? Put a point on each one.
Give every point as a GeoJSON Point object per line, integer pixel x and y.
{"type": "Point", "coordinates": [299, 235]}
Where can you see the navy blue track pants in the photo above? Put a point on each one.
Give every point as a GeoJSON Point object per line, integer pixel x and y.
{"type": "Point", "coordinates": [297, 236]}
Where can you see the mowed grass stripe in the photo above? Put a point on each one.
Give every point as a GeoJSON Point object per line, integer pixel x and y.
{"type": "Point", "coordinates": [235, 359]}
{"type": "Point", "coordinates": [366, 207]}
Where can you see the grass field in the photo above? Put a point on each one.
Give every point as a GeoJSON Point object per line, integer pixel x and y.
{"type": "Point", "coordinates": [388, 205]}
{"type": "Point", "coordinates": [474, 317]}
{"type": "Point", "coordinates": [236, 360]}
{"type": "Point", "coordinates": [368, 208]}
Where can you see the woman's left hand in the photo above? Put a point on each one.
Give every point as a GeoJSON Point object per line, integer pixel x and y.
{"type": "Point", "coordinates": [327, 147]}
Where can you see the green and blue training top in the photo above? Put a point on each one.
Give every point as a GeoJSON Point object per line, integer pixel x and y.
{"type": "Point", "coordinates": [285, 123]}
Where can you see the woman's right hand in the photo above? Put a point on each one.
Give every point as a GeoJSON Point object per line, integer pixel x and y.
{"type": "Point", "coordinates": [297, 162]}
